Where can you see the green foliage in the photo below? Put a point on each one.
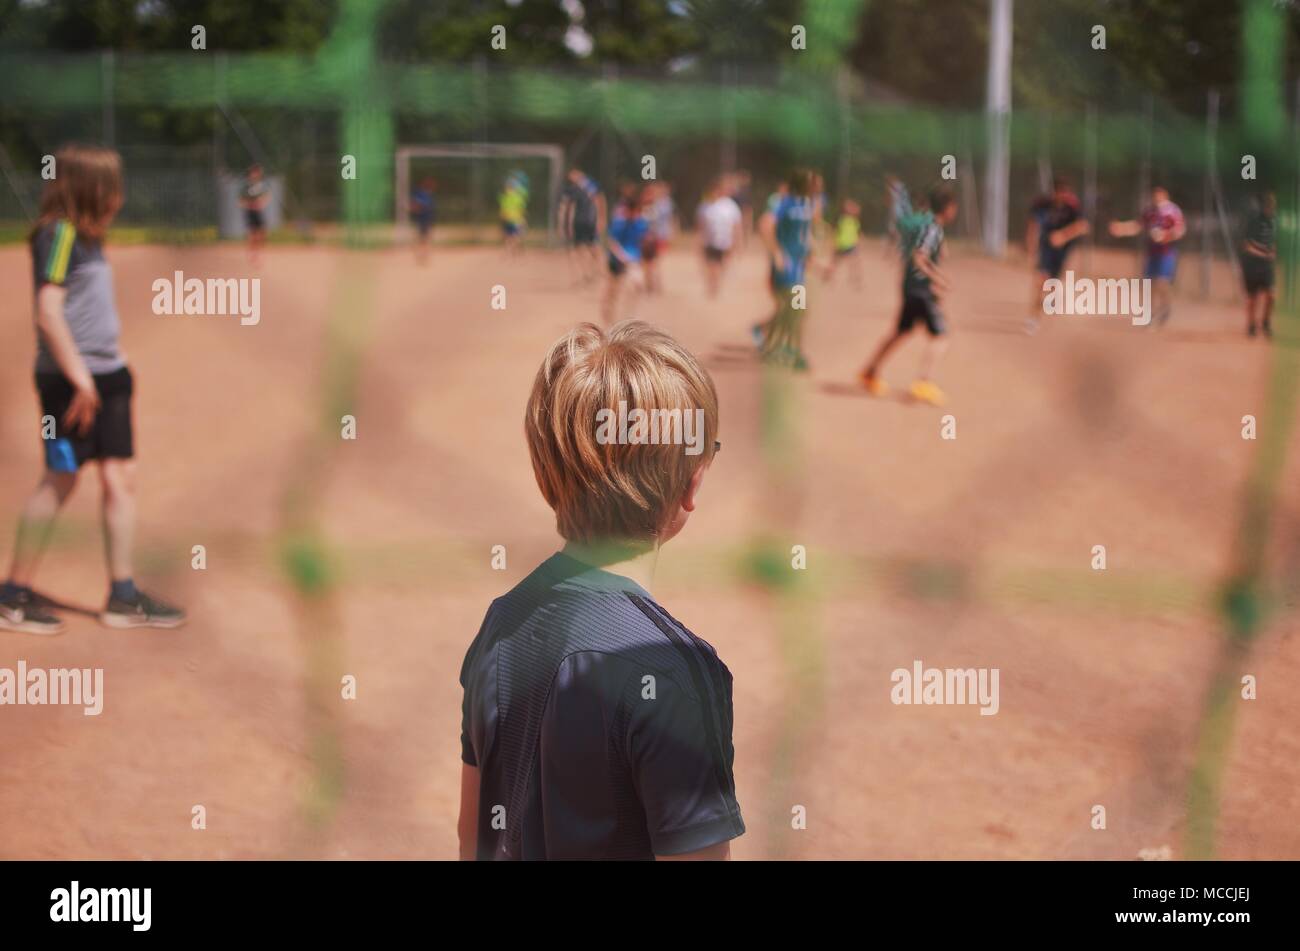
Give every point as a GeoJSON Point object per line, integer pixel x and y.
{"type": "Point", "coordinates": [165, 25]}
{"type": "Point", "coordinates": [936, 51]}
{"type": "Point", "coordinates": [631, 33]}
{"type": "Point", "coordinates": [461, 30]}
{"type": "Point", "coordinates": [932, 51]}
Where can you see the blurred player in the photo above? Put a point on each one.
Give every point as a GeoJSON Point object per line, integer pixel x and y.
{"type": "Point", "coordinates": [786, 230]}
{"type": "Point", "coordinates": [719, 221]}
{"type": "Point", "coordinates": [924, 286]}
{"type": "Point", "coordinates": [818, 192]}
{"type": "Point", "coordinates": [1055, 226]}
{"type": "Point", "coordinates": [254, 198]}
{"type": "Point", "coordinates": [582, 221]}
{"type": "Point", "coordinates": [85, 390]}
{"type": "Point", "coordinates": [658, 208]}
{"type": "Point", "coordinates": [899, 205]}
{"type": "Point", "coordinates": [741, 185]}
{"type": "Point", "coordinates": [628, 227]}
{"type": "Point", "coordinates": [759, 330]}
{"type": "Point", "coordinates": [1162, 222]}
{"type": "Point", "coordinates": [848, 231]}
{"type": "Point", "coordinates": [424, 213]}
{"type": "Point", "coordinates": [1258, 254]}
{"type": "Point", "coordinates": [513, 209]}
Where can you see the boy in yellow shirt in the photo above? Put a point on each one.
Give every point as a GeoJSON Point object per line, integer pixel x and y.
{"type": "Point", "coordinates": [848, 230]}
{"type": "Point", "coordinates": [513, 209]}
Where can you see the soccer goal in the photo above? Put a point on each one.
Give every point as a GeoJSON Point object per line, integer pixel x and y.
{"type": "Point", "coordinates": [470, 176]}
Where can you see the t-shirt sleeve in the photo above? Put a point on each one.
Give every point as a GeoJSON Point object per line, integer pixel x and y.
{"type": "Point", "coordinates": [681, 757]}
{"type": "Point", "coordinates": [469, 686]}
{"type": "Point", "coordinates": [467, 755]}
{"type": "Point", "coordinates": [900, 202]}
{"type": "Point", "coordinates": [54, 250]}
{"type": "Point", "coordinates": [931, 239]}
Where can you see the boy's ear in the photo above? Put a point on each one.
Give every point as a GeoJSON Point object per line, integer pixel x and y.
{"type": "Point", "coordinates": [692, 487]}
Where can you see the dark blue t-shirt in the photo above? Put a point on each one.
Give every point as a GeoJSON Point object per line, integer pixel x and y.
{"type": "Point", "coordinates": [601, 727]}
{"type": "Point", "coordinates": [583, 194]}
{"type": "Point", "coordinates": [424, 205]}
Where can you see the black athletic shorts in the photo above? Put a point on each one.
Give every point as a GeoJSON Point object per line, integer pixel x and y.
{"type": "Point", "coordinates": [584, 232]}
{"type": "Point", "coordinates": [1258, 274]}
{"type": "Point", "coordinates": [714, 254]}
{"type": "Point", "coordinates": [616, 266]}
{"type": "Point", "coordinates": [110, 436]}
{"type": "Point", "coordinates": [254, 219]}
{"type": "Point", "coordinates": [1051, 261]}
{"type": "Point", "coordinates": [921, 306]}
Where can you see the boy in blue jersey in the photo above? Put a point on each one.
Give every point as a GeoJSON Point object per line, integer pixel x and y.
{"type": "Point", "coordinates": [786, 229]}
{"type": "Point", "coordinates": [628, 227]}
{"type": "Point", "coordinates": [424, 212]}
{"type": "Point", "coordinates": [594, 724]}
{"type": "Point", "coordinates": [924, 286]}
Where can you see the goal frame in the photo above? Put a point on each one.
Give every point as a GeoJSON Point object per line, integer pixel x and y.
{"type": "Point", "coordinates": [468, 151]}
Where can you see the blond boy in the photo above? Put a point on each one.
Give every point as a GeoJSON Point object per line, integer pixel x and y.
{"type": "Point", "coordinates": [594, 725]}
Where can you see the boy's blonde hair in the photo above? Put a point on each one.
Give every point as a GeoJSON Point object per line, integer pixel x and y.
{"type": "Point", "coordinates": [86, 189]}
{"type": "Point", "coordinates": [607, 490]}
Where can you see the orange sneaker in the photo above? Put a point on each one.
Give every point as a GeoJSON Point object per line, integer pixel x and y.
{"type": "Point", "coordinates": [927, 392]}
{"type": "Point", "coordinates": [873, 384]}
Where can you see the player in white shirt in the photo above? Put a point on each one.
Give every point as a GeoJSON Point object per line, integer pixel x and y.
{"type": "Point", "coordinates": [719, 222]}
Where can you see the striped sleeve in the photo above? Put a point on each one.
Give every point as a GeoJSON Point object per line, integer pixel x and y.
{"type": "Point", "coordinates": [53, 249]}
{"type": "Point", "coordinates": [900, 203]}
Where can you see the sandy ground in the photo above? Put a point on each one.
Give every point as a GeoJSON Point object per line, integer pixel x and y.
{"type": "Point", "coordinates": [971, 552]}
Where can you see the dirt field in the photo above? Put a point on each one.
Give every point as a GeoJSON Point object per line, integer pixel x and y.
{"type": "Point", "coordinates": [973, 552]}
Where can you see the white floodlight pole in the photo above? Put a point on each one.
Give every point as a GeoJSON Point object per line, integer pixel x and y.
{"type": "Point", "coordinates": [998, 180]}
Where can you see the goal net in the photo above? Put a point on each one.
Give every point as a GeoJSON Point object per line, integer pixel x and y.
{"type": "Point", "coordinates": [468, 180]}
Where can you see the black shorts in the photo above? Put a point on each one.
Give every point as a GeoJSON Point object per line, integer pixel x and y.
{"type": "Point", "coordinates": [1258, 275]}
{"type": "Point", "coordinates": [616, 266]}
{"type": "Point", "coordinates": [424, 225]}
{"type": "Point", "coordinates": [714, 254]}
{"type": "Point", "coordinates": [110, 436]}
{"type": "Point", "coordinates": [921, 306]}
{"type": "Point", "coordinates": [584, 232]}
{"type": "Point", "coordinates": [254, 219]}
{"type": "Point", "coordinates": [1051, 261]}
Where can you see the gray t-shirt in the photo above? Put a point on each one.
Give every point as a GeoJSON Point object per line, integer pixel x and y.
{"type": "Point", "coordinates": [60, 256]}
